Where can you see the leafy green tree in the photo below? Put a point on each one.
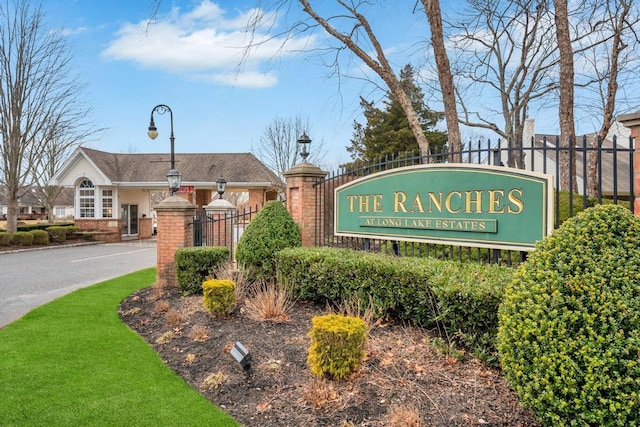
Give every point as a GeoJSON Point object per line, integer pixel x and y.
{"type": "Point", "coordinates": [387, 130]}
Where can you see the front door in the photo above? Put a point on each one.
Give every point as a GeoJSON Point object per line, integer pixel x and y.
{"type": "Point", "coordinates": [129, 217]}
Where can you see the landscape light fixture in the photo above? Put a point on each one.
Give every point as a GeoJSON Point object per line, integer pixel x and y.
{"type": "Point", "coordinates": [242, 355]}
{"type": "Point", "coordinates": [304, 142]}
{"type": "Point", "coordinates": [221, 183]}
{"type": "Point", "coordinates": [174, 178]}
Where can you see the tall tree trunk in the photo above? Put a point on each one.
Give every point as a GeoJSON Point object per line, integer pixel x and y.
{"type": "Point", "coordinates": [434, 16]}
{"type": "Point", "coordinates": [567, 128]}
{"type": "Point", "coordinates": [380, 65]}
{"type": "Point", "coordinates": [12, 212]}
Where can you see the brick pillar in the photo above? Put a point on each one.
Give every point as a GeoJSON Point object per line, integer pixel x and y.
{"type": "Point", "coordinates": [301, 199]}
{"type": "Point", "coordinates": [632, 121]}
{"type": "Point", "coordinates": [175, 231]}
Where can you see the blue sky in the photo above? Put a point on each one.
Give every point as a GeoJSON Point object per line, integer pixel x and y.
{"type": "Point", "coordinates": [189, 59]}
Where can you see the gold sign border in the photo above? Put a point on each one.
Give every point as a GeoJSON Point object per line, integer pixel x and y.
{"type": "Point", "coordinates": [547, 203]}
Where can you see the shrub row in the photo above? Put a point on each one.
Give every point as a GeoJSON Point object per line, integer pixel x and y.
{"type": "Point", "coordinates": [464, 298]}
{"type": "Point", "coordinates": [39, 236]}
{"type": "Point", "coordinates": [31, 227]}
{"type": "Point", "coordinates": [194, 265]}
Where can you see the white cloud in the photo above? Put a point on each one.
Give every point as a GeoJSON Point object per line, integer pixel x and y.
{"type": "Point", "coordinates": [204, 42]}
{"type": "Point", "coordinates": [68, 32]}
{"type": "Point", "coordinates": [241, 79]}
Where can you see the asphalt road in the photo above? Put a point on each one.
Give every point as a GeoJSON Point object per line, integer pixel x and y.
{"type": "Point", "coordinates": [32, 278]}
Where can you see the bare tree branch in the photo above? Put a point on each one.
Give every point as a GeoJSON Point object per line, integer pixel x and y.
{"type": "Point", "coordinates": [39, 101]}
{"type": "Point", "coordinates": [278, 148]}
{"type": "Point", "coordinates": [356, 36]}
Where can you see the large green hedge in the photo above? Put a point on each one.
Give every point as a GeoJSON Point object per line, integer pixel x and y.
{"type": "Point", "coordinates": [464, 297]}
{"type": "Point", "coordinates": [569, 336]}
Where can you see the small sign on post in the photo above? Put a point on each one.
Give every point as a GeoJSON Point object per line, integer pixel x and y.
{"type": "Point", "coordinates": [466, 205]}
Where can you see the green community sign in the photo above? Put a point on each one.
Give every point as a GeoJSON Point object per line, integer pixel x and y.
{"type": "Point", "coordinates": [467, 205]}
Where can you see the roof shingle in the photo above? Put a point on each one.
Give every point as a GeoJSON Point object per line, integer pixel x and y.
{"type": "Point", "coordinates": [201, 167]}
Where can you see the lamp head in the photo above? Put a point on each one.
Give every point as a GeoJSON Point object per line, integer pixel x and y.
{"type": "Point", "coordinates": [221, 184]}
{"type": "Point", "coordinates": [174, 178]}
{"type": "Point", "coordinates": [153, 131]}
{"type": "Point", "coordinates": [304, 142]}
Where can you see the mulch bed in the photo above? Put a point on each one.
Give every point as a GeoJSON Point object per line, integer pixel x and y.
{"type": "Point", "coordinates": [403, 381]}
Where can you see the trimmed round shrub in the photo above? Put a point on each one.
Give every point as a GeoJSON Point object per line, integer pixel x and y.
{"type": "Point", "coordinates": [5, 238]}
{"type": "Point", "coordinates": [71, 229]}
{"type": "Point", "coordinates": [40, 237]}
{"type": "Point", "coordinates": [58, 233]}
{"type": "Point", "coordinates": [270, 231]}
{"type": "Point", "coordinates": [569, 324]}
{"type": "Point", "coordinates": [337, 345]}
{"type": "Point", "coordinates": [22, 238]}
{"type": "Point", "coordinates": [219, 296]}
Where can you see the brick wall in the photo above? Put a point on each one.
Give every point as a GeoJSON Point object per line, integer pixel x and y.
{"type": "Point", "coordinates": [301, 200]}
{"type": "Point", "coordinates": [256, 198]}
{"type": "Point", "coordinates": [145, 228]}
{"type": "Point", "coordinates": [109, 229]}
{"type": "Point", "coordinates": [104, 230]}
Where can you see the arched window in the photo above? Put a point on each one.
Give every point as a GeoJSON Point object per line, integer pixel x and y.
{"type": "Point", "coordinates": [86, 199]}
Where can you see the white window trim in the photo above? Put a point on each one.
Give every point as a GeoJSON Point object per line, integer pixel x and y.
{"type": "Point", "coordinates": [114, 214]}
{"type": "Point", "coordinates": [78, 198]}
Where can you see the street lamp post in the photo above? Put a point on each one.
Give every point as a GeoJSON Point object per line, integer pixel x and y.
{"type": "Point", "coordinates": [174, 178]}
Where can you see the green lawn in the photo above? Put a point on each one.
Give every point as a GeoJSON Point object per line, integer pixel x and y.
{"type": "Point", "coordinates": [73, 362]}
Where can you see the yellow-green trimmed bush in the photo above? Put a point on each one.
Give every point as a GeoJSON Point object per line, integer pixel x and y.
{"type": "Point", "coordinates": [58, 233]}
{"type": "Point", "coordinates": [40, 237]}
{"type": "Point", "coordinates": [22, 238]}
{"type": "Point", "coordinates": [219, 296]}
{"type": "Point", "coordinates": [569, 324]}
{"type": "Point", "coordinates": [337, 345]}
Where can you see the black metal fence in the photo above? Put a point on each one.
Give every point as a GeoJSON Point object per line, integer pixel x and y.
{"type": "Point", "coordinates": [222, 228]}
{"type": "Point", "coordinates": [603, 173]}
